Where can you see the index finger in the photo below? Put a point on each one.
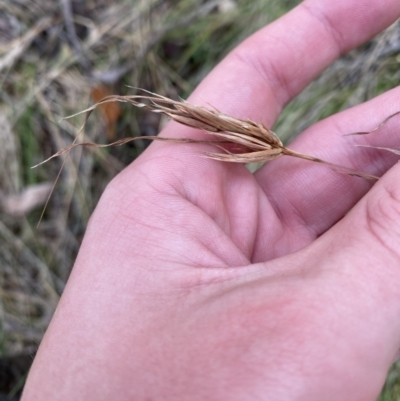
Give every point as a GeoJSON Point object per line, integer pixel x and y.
{"type": "Point", "coordinates": [259, 77]}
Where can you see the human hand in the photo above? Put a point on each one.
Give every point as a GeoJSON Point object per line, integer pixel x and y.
{"type": "Point", "coordinates": [198, 280]}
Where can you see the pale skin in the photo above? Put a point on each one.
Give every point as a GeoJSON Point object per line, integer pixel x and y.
{"type": "Point", "coordinates": [197, 280]}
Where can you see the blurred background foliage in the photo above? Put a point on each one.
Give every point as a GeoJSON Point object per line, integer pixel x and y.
{"type": "Point", "coordinates": [57, 58]}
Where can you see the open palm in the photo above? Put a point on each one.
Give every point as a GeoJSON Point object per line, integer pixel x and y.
{"type": "Point", "coordinates": [199, 280]}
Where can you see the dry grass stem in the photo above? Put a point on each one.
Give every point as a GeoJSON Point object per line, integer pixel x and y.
{"type": "Point", "coordinates": [257, 143]}
{"type": "Point", "coordinates": [394, 151]}
{"type": "Point", "coordinates": [375, 129]}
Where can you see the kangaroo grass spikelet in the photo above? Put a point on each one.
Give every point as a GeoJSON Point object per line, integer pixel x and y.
{"type": "Point", "coordinates": [256, 141]}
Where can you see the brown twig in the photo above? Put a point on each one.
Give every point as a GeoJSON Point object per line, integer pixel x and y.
{"type": "Point", "coordinates": [67, 12]}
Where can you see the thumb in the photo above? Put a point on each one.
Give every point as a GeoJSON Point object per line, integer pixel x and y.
{"type": "Point", "coordinates": [364, 249]}
{"type": "Point", "coordinates": [357, 263]}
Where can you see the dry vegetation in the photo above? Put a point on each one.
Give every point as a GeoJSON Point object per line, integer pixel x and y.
{"type": "Point", "coordinates": [58, 57]}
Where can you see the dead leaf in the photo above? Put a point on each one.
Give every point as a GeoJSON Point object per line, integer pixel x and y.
{"type": "Point", "coordinates": [111, 111]}
{"type": "Point", "coordinates": [26, 201]}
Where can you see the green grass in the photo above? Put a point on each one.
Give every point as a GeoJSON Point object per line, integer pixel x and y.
{"type": "Point", "coordinates": [30, 149]}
